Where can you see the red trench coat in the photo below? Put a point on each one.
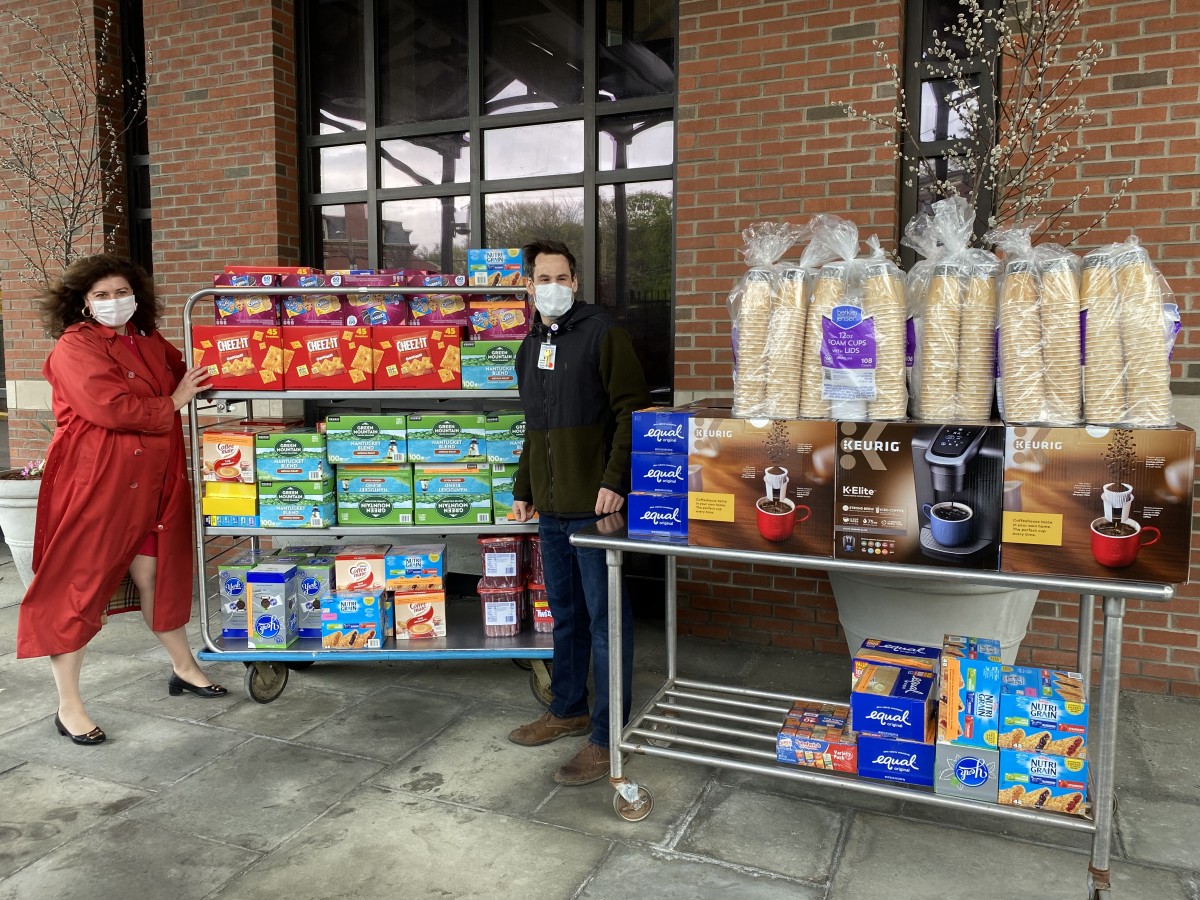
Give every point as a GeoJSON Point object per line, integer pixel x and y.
{"type": "Point", "coordinates": [115, 472]}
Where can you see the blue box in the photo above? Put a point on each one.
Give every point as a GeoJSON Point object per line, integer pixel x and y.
{"type": "Point", "coordinates": [891, 759]}
{"type": "Point", "coordinates": [355, 620]}
{"type": "Point", "coordinates": [293, 455]}
{"type": "Point", "coordinates": [658, 430]}
{"type": "Point", "coordinates": [232, 521]}
{"type": "Point", "coordinates": [659, 473]}
{"type": "Point", "coordinates": [415, 567]}
{"type": "Point", "coordinates": [1042, 781]}
{"type": "Point", "coordinates": [969, 714]}
{"type": "Point", "coordinates": [495, 266]}
{"type": "Point", "coordinates": [1043, 710]}
{"type": "Point", "coordinates": [296, 504]}
{"type": "Point", "coordinates": [489, 365]}
{"type": "Point", "coordinates": [272, 614]}
{"type": "Point", "coordinates": [894, 653]}
{"type": "Point", "coordinates": [894, 701]}
{"type": "Point", "coordinates": [660, 515]}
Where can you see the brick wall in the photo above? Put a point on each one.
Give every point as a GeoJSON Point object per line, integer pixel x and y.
{"type": "Point", "coordinates": [759, 138]}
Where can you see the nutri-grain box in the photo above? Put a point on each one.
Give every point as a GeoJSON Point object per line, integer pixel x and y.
{"type": "Point", "coordinates": [969, 709]}
{"type": "Point", "coordinates": [416, 567]}
{"type": "Point", "coordinates": [495, 266]}
{"type": "Point", "coordinates": [323, 358]}
{"type": "Point", "coordinates": [239, 358]}
{"type": "Point", "coordinates": [415, 358]}
{"type": "Point", "coordinates": [1043, 710]}
{"type": "Point", "coordinates": [355, 619]}
{"type": "Point", "coordinates": [1041, 781]}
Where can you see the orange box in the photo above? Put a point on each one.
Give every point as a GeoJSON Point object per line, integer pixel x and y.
{"type": "Point", "coordinates": [328, 357]}
{"type": "Point", "coordinates": [247, 358]}
{"type": "Point", "coordinates": [412, 357]}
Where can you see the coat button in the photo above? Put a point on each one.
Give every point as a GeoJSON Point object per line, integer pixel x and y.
{"type": "Point", "coordinates": [130, 374]}
{"type": "Point", "coordinates": [137, 452]}
{"type": "Point", "coordinates": [133, 485]}
{"type": "Point", "coordinates": [160, 527]}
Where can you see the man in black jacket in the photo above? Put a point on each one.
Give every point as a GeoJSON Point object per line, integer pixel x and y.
{"type": "Point", "coordinates": [580, 382]}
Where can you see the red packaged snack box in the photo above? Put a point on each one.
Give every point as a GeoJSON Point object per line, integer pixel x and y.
{"type": "Point", "coordinates": [411, 358]}
{"type": "Point", "coordinates": [274, 270]}
{"type": "Point", "coordinates": [254, 309]}
{"type": "Point", "coordinates": [245, 358]}
{"type": "Point", "coordinates": [499, 320]}
{"type": "Point", "coordinates": [328, 358]}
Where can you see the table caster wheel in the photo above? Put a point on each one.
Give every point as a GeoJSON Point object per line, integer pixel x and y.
{"type": "Point", "coordinates": [265, 681]}
{"type": "Point", "coordinates": [526, 664]}
{"type": "Point", "coordinates": [539, 682]}
{"type": "Point", "coordinates": [667, 732]}
{"type": "Point", "coordinates": [299, 665]}
{"type": "Point", "coordinates": [638, 809]}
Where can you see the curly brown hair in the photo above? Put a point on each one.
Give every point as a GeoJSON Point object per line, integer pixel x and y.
{"type": "Point", "coordinates": [62, 302]}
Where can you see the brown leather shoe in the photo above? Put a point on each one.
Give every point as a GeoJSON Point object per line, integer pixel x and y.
{"type": "Point", "coordinates": [590, 764]}
{"type": "Point", "coordinates": [550, 728]}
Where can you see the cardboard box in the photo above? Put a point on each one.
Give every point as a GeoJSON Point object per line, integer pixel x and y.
{"type": "Point", "coordinates": [659, 473]}
{"type": "Point", "coordinates": [1040, 781]}
{"type": "Point", "coordinates": [661, 430]}
{"type": "Point", "coordinates": [919, 493]}
{"type": "Point", "coordinates": [420, 615]}
{"type": "Point", "coordinates": [969, 706]}
{"type": "Point", "coordinates": [362, 439]}
{"type": "Point", "coordinates": [412, 358]}
{"type": "Point", "coordinates": [315, 575]}
{"type": "Point", "coordinates": [374, 495]}
{"type": "Point", "coordinates": [227, 451]}
{"type": "Point", "coordinates": [224, 521]}
{"type": "Point", "coordinates": [360, 567]}
{"type": "Point", "coordinates": [489, 365]}
{"type": "Point", "coordinates": [229, 499]}
{"type": "Point", "coordinates": [328, 358]}
{"type": "Point", "coordinates": [272, 618]}
{"type": "Point", "coordinates": [1044, 711]}
{"type": "Point", "coordinates": [505, 319]}
{"type": "Point", "coordinates": [439, 310]}
{"type": "Point", "coordinates": [239, 358]}
{"type": "Point", "coordinates": [818, 735]}
{"type": "Point", "coordinates": [231, 586]}
{"type": "Point", "coordinates": [972, 772]}
{"type": "Point", "coordinates": [355, 619]}
{"type": "Point", "coordinates": [447, 437]}
{"type": "Point", "coordinates": [496, 266]}
{"type": "Point", "coordinates": [886, 758]}
{"type": "Point", "coordinates": [657, 515]}
{"type": "Point", "coordinates": [312, 309]}
{"type": "Point", "coordinates": [894, 653]}
{"type": "Point", "coordinates": [1061, 484]}
{"type": "Point", "coordinates": [504, 476]}
{"type": "Point", "coordinates": [246, 309]}
{"type": "Point", "coordinates": [374, 309]}
{"type": "Point", "coordinates": [894, 701]}
{"type": "Point", "coordinates": [296, 504]}
{"type": "Point", "coordinates": [415, 568]}
{"type": "Point", "coordinates": [293, 455]}
{"type": "Point", "coordinates": [505, 433]}
{"type": "Point", "coordinates": [758, 484]}
{"type": "Point", "coordinates": [452, 494]}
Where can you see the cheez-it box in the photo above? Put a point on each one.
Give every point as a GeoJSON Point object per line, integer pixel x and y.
{"type": "Point", "coordinates": [413, 357]}
{"type": "Point", "coordinates": [246, 358]}
{"type": "Point", "coordinates": [328, 357]}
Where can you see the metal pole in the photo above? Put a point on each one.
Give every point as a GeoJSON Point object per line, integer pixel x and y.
{"type": "Point", "coordinates": [616, 662]}
{"type": "Point", "coordinates": [1087, 623]}
{"type": "Point", "coordinates": [672, 618]}
{"type": "Point", "coordinates": [1104, 751]}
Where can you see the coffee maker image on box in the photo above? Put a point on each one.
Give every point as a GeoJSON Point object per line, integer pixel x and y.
{"type": "Point", "coordinates": [958, 471]}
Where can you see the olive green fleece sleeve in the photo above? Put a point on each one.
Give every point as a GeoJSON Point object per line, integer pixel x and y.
{"type": "Point", "coordinates": [625, 383]}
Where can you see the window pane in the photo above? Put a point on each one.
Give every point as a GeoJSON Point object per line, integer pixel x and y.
{"type": "Point", "coordinates": [938, 16]}
{"type": "Point", "coordinates": [634, 142]}
{"type": "Point", "coordinates": [422, 60]}
{"type": "Point", "coordinates": [342, 242]}
{"type": "Point", "coordinates": [337, 169]}
{"type": "Point", "coordinates": [636, 51]}
{"type": "Point", "coordinates": [554, 149]}
{"type": "Point", "coordinates": [532, 55]}
{"type": "Point", "coordinates": [938, 169]}
{"type": "Point", "coordinates": [338, 94]}
{"type": "Point", "coordinates": [430, 233]}
{"type": "Point", "coordinates": [435, 159]}
{"type": "Point", "coordinates": [944, 107]}
{"type": "Point", "coordinates": [634, 269]}
{"type": "Point", "coordinates": [515, 219]}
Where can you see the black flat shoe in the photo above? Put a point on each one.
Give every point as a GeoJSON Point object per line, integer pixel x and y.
{"type": "Point", "coordinates": [93, 737]}
{"type": "Point", "coordinates": [176, 686]}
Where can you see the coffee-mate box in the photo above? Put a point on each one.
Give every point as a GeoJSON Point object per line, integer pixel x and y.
{"type": "Point", "coordinates": [415, 568]}
{"type": "Point", "coordinates": [489, 365]}
{"type": "Point", "coordinates": [361, 567]}
{"type": "Point", "coordinates": [447, 437]}
{"type": "Point", "coordinates": [365, 438]}
{"type": "Point", "coordinates": [240, 358]}
{"type": "Point", "coordinates": [1040, 781]}
{"type": "Point", "coordinates": [272, 612]}
{"type": "Point", "coordinates": [919, 493]}
{"type": "Point", "coordinates": [296, 504]}
{"type": "Point", "coordinates": [420, 615]}
{"type": "Point", "coordinates": [661, 430]}
{"type": "Point", "coordinates": [760, 484]}
{"type": "Point", "coordinates": [231, 586]}
{"type": "Point", "coordinates": [505, 432]}
{"type": "Point", "coordinates": [1096, 502]}
{"type": "Point", "coordinates": [374, 495]}
{"type": "Point", "coordinates": [969, 708]}
{"type": "Point", "coordinates": [960, 771]}
{"type": "Point", "coordinates": [297, 454]}
{"type": "Point", "coordinates": [452, 494]}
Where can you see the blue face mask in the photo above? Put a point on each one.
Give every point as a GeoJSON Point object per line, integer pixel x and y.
{"type": "Point", "coordinates": [553, 300]}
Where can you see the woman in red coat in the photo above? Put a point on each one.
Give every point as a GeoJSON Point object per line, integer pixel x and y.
{"type": "Point", "coordinates": [115, 497]}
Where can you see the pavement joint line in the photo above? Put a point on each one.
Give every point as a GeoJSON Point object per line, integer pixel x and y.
{"type": "Point", "coordinates": [591, 876]}
{"type": "Point", "coordinates": [681, 825]}
{"type": "Point", "coordinates": [743, 868]}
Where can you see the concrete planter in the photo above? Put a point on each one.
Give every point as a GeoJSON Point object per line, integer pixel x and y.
{"type": "Point", "coordinates": [18, 515]}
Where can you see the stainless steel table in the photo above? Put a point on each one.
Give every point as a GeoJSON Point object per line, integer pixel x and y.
{"type": "Point", "coordinates": [734, 727]}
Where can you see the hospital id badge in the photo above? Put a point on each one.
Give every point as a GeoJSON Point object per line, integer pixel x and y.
{"type": "Point", "coordinates": [546, 357]}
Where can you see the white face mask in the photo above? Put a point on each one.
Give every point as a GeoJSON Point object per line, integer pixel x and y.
{"type": "Point", "coordinates": [553, 299]}
{"type": "Point", "coordinates": [114, 313]}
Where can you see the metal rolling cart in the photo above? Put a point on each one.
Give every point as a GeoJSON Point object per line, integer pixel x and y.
{"type": "Point", "coordinates": [735, 728]}
{"type": "Point", "coordinates": [267, 670]}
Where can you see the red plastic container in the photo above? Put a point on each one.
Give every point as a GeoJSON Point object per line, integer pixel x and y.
{"type": "Point", "coordinates": [503, 560]}
{"type": "Point", "coordinates": [501, 607]}
{"type": "Point", "coordinates": [535, 560]}
{"type": "Point", "coordinates": [543, 621]}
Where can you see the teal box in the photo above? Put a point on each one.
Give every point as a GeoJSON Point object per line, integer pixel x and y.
{"type": "Point", "coordinates": [495, 266]}
{"type": "Point", "coordinates": [1042, 781]}
{"type": "Point", "coordinates": [296, 504]}
{"type": "Point", "coordinates": [374, 495]}
{"type": "Point", "coordinates": [503, 476]}
{"type": "Point", "coordinates": [232, 521]}
{"type": "Point", "coordinates": [489, 365]}
{"type": "Point", "coordinates": [452, 494]}
{"type": "Point", "coordinates": [316, 581]}
{"type": "Point", "coordinates": [273, 615]}
{"type": "Point", "coordinates": [415, 567]}
{"type": "Point", "coordinates": [355, 620]}
{"type": "Point", "coordinates": [231, 587]}
{"type": "Point", "coordinates": [447, 437]}
{"type": "Point", "coordinates": [293, 455]}
{"type": "Point", "coordinates": [1043, 710]}
{"type": "Point", "coordinates": [505, 436]}
{"type": "Point", "coordinates": [362, 439]}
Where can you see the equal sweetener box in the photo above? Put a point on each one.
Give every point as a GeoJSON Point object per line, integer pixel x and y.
{"type": "Point", "coordinates": [489, 365]}
{"type": "Point", "coordinates": [894, 701]}
{"type": "Point", "coordinates": [972, 772]}
{"type": "Point", "coordinates": [969, 708]}
{"type": "Point", "coordinates": [886, 758]}
{"type": "Point", "coordinates": [415, 567]}
{"type": "Point", "coordinates": [661, 430]}
{"type": "Point", "coordinates": [659, 473]}
{"type": "Point", "coordinates": [657, 515]}
{"type": "Point", "coordinates": [361, 439]}
{"type": "Point", "coordinates": [240, 358]}
{"type": "Point", "coordinates": [505, 436]}
{"type": "Point", "coordinates": [818, 735]}
{"type": "Point", "coordinates": [293, 455]}
{"type": "Point", "coordinates": [1041, 781]}
{"type": "Point", "coordinates": [1043, 710]}
{"type": "Point", "coordinates": [272, 619]}
{"type": "Point", "coordinates": [895, 653]}
{"type": "Point", "coordinates": [447, 437]}
{"type": "Point", "coordinates": [374, 495]}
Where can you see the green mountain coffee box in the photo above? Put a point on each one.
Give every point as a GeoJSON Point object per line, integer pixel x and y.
{"type": "Point", "coordinates": [489, 365]}
{"type": "Point", "coordinates": [454, 494]}
{"type": "Point", "coordinates": [296, 504]}
{"type": "Point", "coordinates": [363, 439]}
{"type": "Point", "coordinates": [505, 436]}
{"type": "Point", "coordinates": [447, 437]}
{"type": "Point", "coordinates": [375, 495]}
{"type": "Point", "coordinates": [292, 455]}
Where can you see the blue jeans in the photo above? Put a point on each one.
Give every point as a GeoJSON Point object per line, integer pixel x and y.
{"type": "Point", "coordinates": [577, 591]}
